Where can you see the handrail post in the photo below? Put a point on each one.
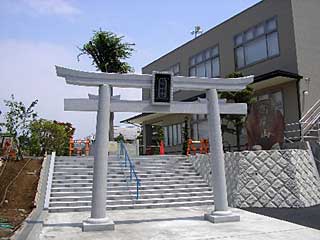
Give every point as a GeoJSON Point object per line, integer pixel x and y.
{"type": "Point", "coordinates": [119, 150]}
{"type": "Point", "coordinates": [138, 185]}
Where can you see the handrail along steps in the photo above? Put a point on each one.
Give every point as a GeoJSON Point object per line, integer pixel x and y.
{"type": "Point", "coordinates": [124, 151]}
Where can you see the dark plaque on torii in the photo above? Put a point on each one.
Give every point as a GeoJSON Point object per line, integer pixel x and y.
{"type": "Point", "coordinates": [162, 88]}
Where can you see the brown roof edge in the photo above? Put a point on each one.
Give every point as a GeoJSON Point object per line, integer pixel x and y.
{"type": "Point", "coordinates": [276, 73]}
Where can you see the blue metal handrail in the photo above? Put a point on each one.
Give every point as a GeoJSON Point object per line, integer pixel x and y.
{"type": "Point", "coordinates": [123, 150]}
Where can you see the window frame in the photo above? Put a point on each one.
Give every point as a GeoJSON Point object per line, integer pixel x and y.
{"type": "Point", "coordinates": [166, 135]}
{"type": "Point", "coordinates": [171, 69]}
{"type": "Point", "coordinates": [205, 60]}
{"type": "Point", "coordinates": [176, 136]}
{"type": "Point", "coordinates": [245, 42]}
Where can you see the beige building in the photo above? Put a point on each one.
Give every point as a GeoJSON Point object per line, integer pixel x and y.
{"type": "Point", "coordinates": [278, 41]}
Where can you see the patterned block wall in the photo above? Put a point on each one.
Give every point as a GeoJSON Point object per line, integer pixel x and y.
{"type": "Point", "coordinates": [275, 178]}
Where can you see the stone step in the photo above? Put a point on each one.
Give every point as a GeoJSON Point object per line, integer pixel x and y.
{"type": "Point", "coordinates": [124, 187]}
{"type": "Point", "coordinates": [118, 168]}
{"type": "Point", "coordinates": [121, 165]}
{"type": "Point", "coordinates": [135, 161]}
{"type": "Point", "coordinates": [130, 201]}
{"type": "Point", "coordinates": [86, 177]}
{"type": "Point", "coordinates": [121, 178]}
{"type": "Point", "coordinates": [133, 206]}
{"type": "Point", "coordinates": [115, 175]}
{"type": "Point", "coordinates": [86, 192]}
{"type": "Point", "coordinates": [89, 179]}
{"type": "Point", "coordinates": [144, 183]}
{"type": "Point", "coordinates": [166, 181]}
{"type": "Point", "coordinates": [168, 165]}
{"type": "Point", "coordinates": [174, 160]}
{"type": "Point", "coordinates": [127, 170]}
{"type": "Point", "coordinates": [131, 196]}
{"type": "Point", "coordinates": [81, 180]}
{"type": "Point", "coordinates": [89, 185]}
{"type": "Point", "coordinates": [117, 161]}
{"type": "Point", "coordinates": [112, 172]}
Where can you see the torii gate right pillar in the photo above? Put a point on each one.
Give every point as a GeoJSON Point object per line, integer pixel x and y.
{"type": "Point", "coordinates": [220, 212]}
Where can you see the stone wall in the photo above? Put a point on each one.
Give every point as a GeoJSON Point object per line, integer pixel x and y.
{"type": "Point", "coordinates": [274, 178]}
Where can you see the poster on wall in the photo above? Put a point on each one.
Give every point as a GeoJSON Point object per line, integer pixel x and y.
{"type": "Point", "coordinates": [265, 125]}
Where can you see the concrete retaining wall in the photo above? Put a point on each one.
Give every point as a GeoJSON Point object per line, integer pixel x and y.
{"type": "Point", "coordinates": [133, 148]}
{"type": "Point", "coordinates": [275, 178]}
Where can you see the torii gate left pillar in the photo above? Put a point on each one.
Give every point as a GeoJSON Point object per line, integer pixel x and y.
{"type": "Point", "coordinates": [99, 220]}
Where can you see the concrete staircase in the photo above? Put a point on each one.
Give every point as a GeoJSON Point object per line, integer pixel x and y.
{"type": "Point", "coordinates": [166, 181]}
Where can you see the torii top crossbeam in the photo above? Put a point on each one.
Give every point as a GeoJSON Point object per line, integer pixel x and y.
{"type": "Point", "coordinates": [76, 77]}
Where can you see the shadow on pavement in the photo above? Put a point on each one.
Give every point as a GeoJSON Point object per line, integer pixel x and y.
{"type": "Point", "coordinates": [196, 218]}
{"type": "Point", "coordinates": [309, 217]}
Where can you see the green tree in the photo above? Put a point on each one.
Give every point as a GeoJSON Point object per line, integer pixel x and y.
{"type": "Point", "coordinates": [159, 134]}
{"type": "Point", "coordinates": [1, 124]}
{"type": "Point", "coordinates": [48, 136]}
{"type": "Point", "coordinates": [69, 129]}
{"type": "Point", "coordinates": [234, 123]}
{"type": "Point", "coordinates": [108, 53]}
{"type": "Point", "coordinates": [17, 122]}
{"type": "Point", "coordinates": [119, 138]}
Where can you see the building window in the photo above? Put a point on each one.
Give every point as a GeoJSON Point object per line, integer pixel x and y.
{"type": "Point", "coordinates": [256, 44]}
{"type": "Point", "coordinates": [205, 63]}
{"type": "Point", "coordinates": [170, 136]}
{"type": "Point", "coordinates": [165, 136]}
{"type": "Point", "coordinates": [173, 134]}
{"type": "Point", "coordinates": [179, 129]}
{"type": "Point", "coordinates": [175, 69]}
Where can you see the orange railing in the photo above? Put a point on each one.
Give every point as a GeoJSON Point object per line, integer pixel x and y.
{"type": "Point", "coordinates": [201, 146]}
{"type": "Point", "coordinates": [76, 147]}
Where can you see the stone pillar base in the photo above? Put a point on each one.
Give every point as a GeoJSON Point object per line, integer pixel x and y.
{"type": "Point", "coordinates": [221, 217]}
{"type": "Point", "coordinates": [99, 224]}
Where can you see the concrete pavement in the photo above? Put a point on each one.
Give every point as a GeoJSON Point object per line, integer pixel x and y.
{"type": "Point", "coordinates": [185, 223]}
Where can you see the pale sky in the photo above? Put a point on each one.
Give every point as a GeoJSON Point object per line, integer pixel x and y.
{"type": "Point", "coordinates": [35, 35]}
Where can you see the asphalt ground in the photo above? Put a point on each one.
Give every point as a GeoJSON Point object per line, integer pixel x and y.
{"type": "Point", "coordinates": [309, 217]}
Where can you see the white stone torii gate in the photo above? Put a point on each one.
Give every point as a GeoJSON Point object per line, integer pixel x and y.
{"type": "Point", "coordinates": [105, 104]}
